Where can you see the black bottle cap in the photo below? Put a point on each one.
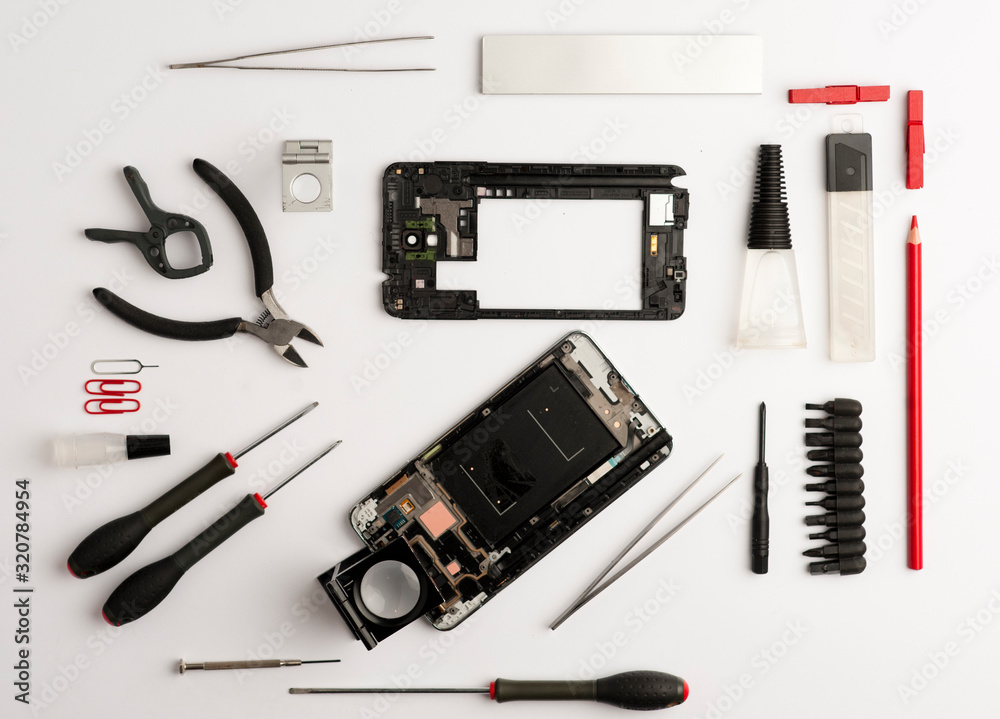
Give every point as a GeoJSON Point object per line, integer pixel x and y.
{"type": "Point", "coordinates": [138, 446]}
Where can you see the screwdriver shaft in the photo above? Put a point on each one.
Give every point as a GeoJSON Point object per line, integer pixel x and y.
{"type": "Point", "coordinates": [389, 690]}
{"type": "Point", "coordinates": [277, 429]}
{"type": "Point", "coordinates": [304, 467]}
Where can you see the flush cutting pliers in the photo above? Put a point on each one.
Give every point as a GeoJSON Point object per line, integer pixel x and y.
{"type": "Point", "coordinates": [274, 325]}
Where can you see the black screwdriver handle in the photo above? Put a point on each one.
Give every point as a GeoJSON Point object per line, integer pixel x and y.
{"type": "Point", "coordinates": [641, 690]}
{"type": "Point", "coordinates": [760, 522]}
{"type": "Point", "coordinates": [108, 545]}
{"type": "Point", "coordinates": [145, 589]}
{"type": "Point", "coordinates": [164, 327]}
{"type": "Point", "coordinates": [260, 252]}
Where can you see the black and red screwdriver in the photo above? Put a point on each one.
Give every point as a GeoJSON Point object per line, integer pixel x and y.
{"type": "Point", "coordinates": [641, 690]}
{"type": "Point", "coordinates": [109, 544]}
{"type": "Point", "coordinates": [145, 589]}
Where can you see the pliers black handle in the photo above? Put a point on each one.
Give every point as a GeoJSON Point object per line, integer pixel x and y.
{"type": "Point", "coordinates": [274, 326]}
{"type": "Point", "coordinates": [260, 253]}
{"type": "Point", "coordinates": [279, 332]}
{"type": "Point", "coordinates": [164, 327]}
{"type": "Point", "coordinates": [152, 243]}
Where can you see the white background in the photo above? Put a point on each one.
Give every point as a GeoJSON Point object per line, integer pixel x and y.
{"type": "Point", "coordinates": [863, 645]}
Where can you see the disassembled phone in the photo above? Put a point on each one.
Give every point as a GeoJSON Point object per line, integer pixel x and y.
{"type": "Point", "coordinates": [496, 493]}
{"type": "Point", "coordinates": [429, 215]}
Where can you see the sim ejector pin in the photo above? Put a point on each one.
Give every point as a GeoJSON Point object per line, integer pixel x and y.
{"type": "Point", "coordinates": [118, 366]}
{"type": "Point", "coordinates": [221, 63]}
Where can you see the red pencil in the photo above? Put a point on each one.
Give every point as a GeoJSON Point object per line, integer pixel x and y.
{"type": "Point", "coordinates": [914, 385]}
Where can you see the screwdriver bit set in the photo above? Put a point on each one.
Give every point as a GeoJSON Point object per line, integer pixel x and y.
{"type": "Point", "coordinates": [838, 447]}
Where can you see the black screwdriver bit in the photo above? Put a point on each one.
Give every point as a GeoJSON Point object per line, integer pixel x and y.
{"type": "Point", "coordinates": [833, 439]}
{"type": "Point", "coordinates": [838, 487]}
{"type": "Point", "coordinates": [839, 455]}
{"type": "Point", "coordinates": [841, 534]}
{"type": "Point", "coordinates": [852, 518]}
{"type": "Point", "coordinates": [843, 550]}
{"type": "Point", "coordinates": [839, 407]}
{"type": "Point", "coordinates": [837, 471]}
{"type": "Point", "coordinates": [853, 565]}
{"type": "Point", "coordinates": [837, 424]}
{"type": "Point", "coordinates": [846, 503]}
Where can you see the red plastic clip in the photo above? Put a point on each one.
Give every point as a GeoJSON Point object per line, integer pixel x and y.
{"type": "Point", "coordinates": [915, 140]}
{"type": "Point", "coordinates": [126, 386]}
{"type": "Point", "coordinates": [111, 406]}
{"type": "Point", "coordinates": [841, 94]}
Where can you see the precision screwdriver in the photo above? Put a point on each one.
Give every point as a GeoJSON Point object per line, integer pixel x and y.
{"type": "Point", "coordinates": [109, 544]}
{"type": "Point", "coordinates": [141, 592]}
{"type": "Point", "coordinates": [760, 523]}
{"type": "Point", "coordinates": [184, 666]}
{"type": "Point", "coordinates": [641, 690]}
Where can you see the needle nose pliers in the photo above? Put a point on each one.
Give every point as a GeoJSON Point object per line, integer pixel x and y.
{"type": "Point", "coordinates": [274, 326]}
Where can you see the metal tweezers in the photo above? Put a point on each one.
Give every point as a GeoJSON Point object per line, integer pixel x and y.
{"type": "Point", "coordinates": [219, 63]}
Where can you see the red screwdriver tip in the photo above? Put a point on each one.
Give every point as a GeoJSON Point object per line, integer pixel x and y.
{"type": "Point", "coordinates": [686, 690]}
{"type": "Point", "coordinates": [913, 223]}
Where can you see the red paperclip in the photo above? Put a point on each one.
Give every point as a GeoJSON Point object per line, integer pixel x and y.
{"type": "Point", "coordinates": [104, 408]}
{"type": "Point", "coordinates": [103, 390]}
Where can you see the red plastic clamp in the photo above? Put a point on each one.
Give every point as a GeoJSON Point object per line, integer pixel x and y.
{"type": "Point", "coordinates": [915, 140]}
{"type": "Point", "coordinates": [840, 94]}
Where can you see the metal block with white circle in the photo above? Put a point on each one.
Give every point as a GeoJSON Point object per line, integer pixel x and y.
{"type": "Point", "coordinates": [307, 176]}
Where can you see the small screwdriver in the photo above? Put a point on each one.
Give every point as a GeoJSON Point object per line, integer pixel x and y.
{"type": "Point", "coordinates": [760, 523]}
{"type": "Point", "coordinates": [109, 544]}
{"type": "Point", "coordinates": [184, 666]}
{"type": "Point", "coordinates": [642, 690]}
{"type": "Point", "coordinates": [141, 592]}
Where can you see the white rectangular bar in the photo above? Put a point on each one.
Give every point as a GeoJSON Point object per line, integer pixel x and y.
{"type": "Point", "coordinates": [622, 64]}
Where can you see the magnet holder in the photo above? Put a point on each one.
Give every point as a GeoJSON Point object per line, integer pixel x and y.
{"type": "Point", "coordinates": [152, 243]}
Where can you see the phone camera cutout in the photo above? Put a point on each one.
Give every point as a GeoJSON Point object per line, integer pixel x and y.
{"type": "Point", "coordinates": [390, 590]}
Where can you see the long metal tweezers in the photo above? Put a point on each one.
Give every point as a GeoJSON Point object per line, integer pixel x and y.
{"type": "Point", "coordinates": [219, 63]}
{"type": "Point", "coordinates": [593, 590]}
